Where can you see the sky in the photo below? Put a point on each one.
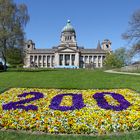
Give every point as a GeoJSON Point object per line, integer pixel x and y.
{"type": "Point", "coordinates": [92, 20]}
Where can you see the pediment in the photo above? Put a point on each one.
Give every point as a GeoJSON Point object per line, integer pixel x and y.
{"type": "Point", "coordinates": [67, 49]}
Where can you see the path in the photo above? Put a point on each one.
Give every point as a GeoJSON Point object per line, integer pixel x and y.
{"type": "Point", "coordinates": [112, 71]}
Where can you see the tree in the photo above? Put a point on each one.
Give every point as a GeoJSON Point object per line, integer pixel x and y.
{"type": "Point", "coordinates": [13, 19]}
{"type": "Point", "coordinates": [134, 27]}
{"type": "Point", "coordinates": [14, 56]}
{"type": "Point", "coordinates": [133, 33]}
{"type": "Point", "coordinates": [123, 55]}
{"type": "Point", "coordinates": [135, 48]}
{"type": "Point", "coordinates": [111, 61]}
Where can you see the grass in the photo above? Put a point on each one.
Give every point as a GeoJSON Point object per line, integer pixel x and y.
{"type": "Point", "coordinates": [22, 136]}
{"type": "Point", "coordinates": [75, 79]}
{"type": "Point", "coordinates": [70, 79]}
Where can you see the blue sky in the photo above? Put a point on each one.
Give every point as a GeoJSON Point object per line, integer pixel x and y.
{"type": "Point", "coordinates": [93, 20]}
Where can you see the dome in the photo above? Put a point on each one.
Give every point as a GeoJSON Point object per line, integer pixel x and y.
{"type": "Point", "coordinates": [106, 40]}
{"type": "Point", "coordinates": [68, 27]}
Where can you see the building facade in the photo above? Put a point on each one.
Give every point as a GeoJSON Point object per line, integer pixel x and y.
{"type": "Point", "coordinates": [67, 53]}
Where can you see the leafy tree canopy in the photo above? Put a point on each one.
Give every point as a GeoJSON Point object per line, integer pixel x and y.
{"type": "Point", "coordinates": [124, 55]}
{"type": "Point", "coordinates": [13, 19]}
{"type": "Point", "coordinates": [111, 61]}
{"type": "Point", "coordinates": [14, 56]}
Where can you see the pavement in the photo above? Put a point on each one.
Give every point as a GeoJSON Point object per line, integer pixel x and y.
{"type": "Point", "coordinates": [117, 72]}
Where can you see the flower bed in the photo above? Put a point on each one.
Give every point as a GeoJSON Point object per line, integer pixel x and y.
{"type": "Point", "coordinates": [70, 111]}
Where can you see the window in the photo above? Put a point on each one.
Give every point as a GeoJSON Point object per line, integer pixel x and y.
{"type": "Point", "coordinates": [48, 61]}
{"type": "Point", "coordinates": [81, 58]}
{"type": "Point", "coordinates": [60, 59]}
{"type": "Point", "coordinates": [31, 58]}
{"type": "Point", "coordinates": [90, 59]}
{"type": "Point", "coordinates": [95, 58]}
{"type": "Point", "coordinates": [107, 46]}
{"type": "Point", "coordinates": [44, 59]}
{"type": "Point", "coordinates": [99, 58]}
{"type": "Point", "coordinates": [73, 59]}
{"type": "Point", "coordinates": [86, 59]}
{"type": "Point", "coordinates": [67, 60]}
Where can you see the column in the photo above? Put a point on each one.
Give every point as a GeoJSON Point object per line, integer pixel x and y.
{"type": "Point", "coordinates": [59, 60]}
{"type": "Point", "coordinates": [29, 60]}
{"type": "Point", "coordinates": [101, 61]}
{"type": "Point", "coordinates": [97, 61]}
{"type": "Point", "coordinates": [41, 60]}
{"type": "Point", "coordinates": [34, 59]}
{"type": "Point", "coordinates": [77, 59]}
{"type": "Point", "coordinates": [46, 61]}
{"type": "Point", "coordinates": [70, 60]}
{"type": "Point", "coordinates": [84, 61]}
{"type": "Point", "coordinates": [88, 59]}
{"type": "Point", "coordinates": [63, 59]}
{"type": "Point", "coordinates": [51, 61]}
{"type": "Point", "coordinates": [56, 59]}
{"type": "Point", "coordinates": [37, 60]}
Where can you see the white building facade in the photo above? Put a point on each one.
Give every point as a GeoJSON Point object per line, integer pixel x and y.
{"type": "Point", "coordinates": [67, 53]}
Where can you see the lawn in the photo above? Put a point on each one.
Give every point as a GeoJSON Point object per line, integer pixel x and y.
{"type": "Point", "coordinates": [67, 79]}
{"type": "Point", "coordinates": [23, 136]}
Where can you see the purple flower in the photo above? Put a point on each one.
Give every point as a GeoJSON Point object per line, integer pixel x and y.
{"type": "Point", "coordinates": [20, 104]}
{"type": "Point", "coordinates": [76, 98]}
{"type": "Point", "coordinates": [101, 101]}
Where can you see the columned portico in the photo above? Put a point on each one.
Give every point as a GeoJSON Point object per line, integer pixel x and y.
{"type": "Point", "coordinates": [67, 59]}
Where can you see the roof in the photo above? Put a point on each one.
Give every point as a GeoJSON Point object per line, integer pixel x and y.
{"type": "Point", "coordinates": [68, 27]}
{"type": "Point", "coordinates": [38, 51]}
{"type": "Point", "coordinates": [80, 49]}
{"type": "Point", "coordinates": [99, 46]}
{"type": "Point", "coordinates": [92, 51]}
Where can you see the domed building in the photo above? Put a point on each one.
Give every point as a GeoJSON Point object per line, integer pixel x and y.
{"type": "Point", "coordinates": [67, 53]}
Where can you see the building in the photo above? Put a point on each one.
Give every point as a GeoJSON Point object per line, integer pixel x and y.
{"type": "Point", "coordinates": [67, 53]}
